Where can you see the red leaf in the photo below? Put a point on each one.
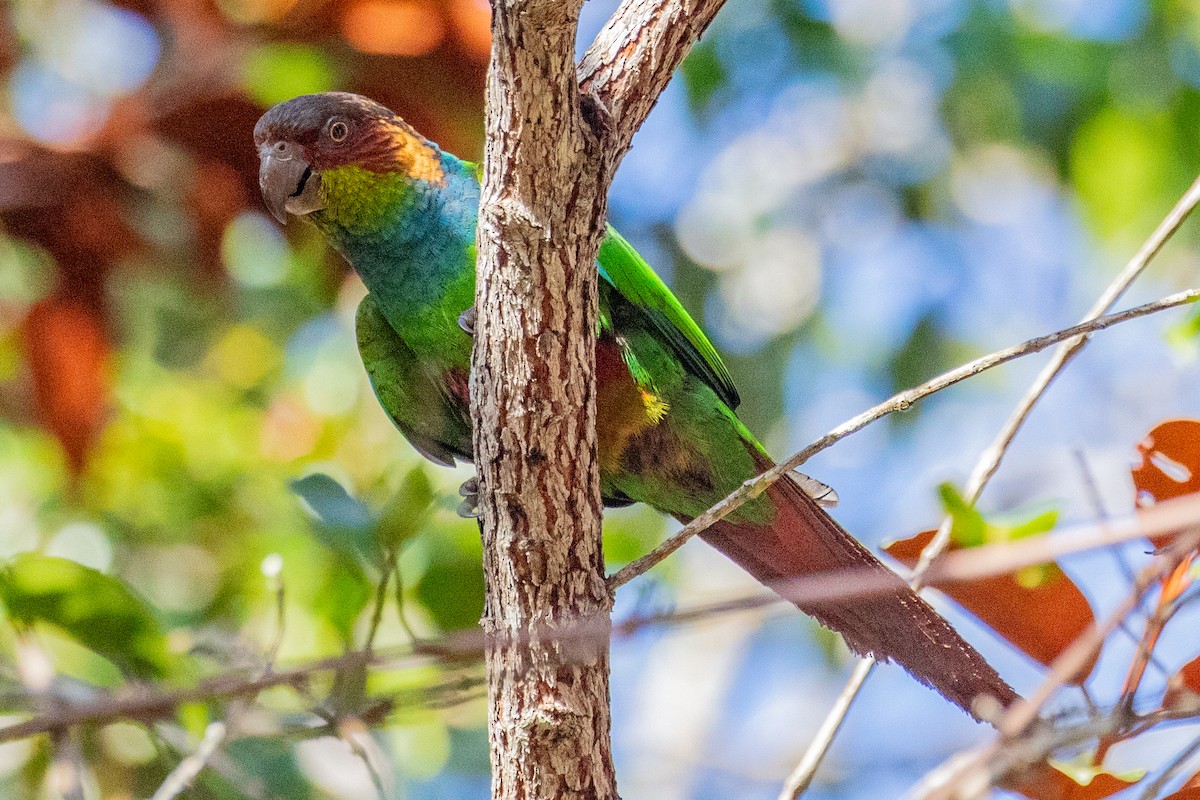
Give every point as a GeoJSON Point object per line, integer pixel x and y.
{"type": "Point", "coordinates": [1186, 793]}
{"type": "Point", "coordinates": [1184, 685]}
{"type": "Point", "coordinates": [1170, 465]}
{"type": "Point", "coordinates": [67, 351]}
{"type": "Point", "coordinates": [1046, 782]}
{"type": "Point", "coordinates": [1040, 620]}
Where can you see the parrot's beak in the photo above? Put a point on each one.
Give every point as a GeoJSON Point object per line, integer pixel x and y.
{"type": "Point", "coordinates": [288, 182]}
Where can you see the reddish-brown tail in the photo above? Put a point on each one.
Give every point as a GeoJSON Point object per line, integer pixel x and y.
{"type": "Point", "coordinates": [892, 622]}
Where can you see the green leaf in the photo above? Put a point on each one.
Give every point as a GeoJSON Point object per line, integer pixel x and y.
{"type": "Point", "coordinates": [970, 529]}
{"type": "Point", "coordinates": [97, 610]}
{"type": "Point", "coordinates": [407, 511]}
{"type": "Point", "coordinates": [451, 588]}
{"type": "Point", "coordinates": [1041, 523]}
{"type": "Point", "coordinates": [345, 592]}
{"type": "Point", "coordinates": [347, 526]}
{"type": "Point", "coordinates": [968, 526]}
{"type": "Point", "coordinates": [703, 75]}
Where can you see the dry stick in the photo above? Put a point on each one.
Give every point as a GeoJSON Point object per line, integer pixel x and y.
{"type": "Point", "coordinates": [356, 736]}
{"type": "Point", "coordinates": [182, 776]}
{"type": "Point", "coordinates": [1174, 768]}
{"type": "Point", "coordinates": [899, 402]}
{"type": "Point", "coordinates": [980, 769]}
{"type": "Point", "coordinates": [251, 786]}
{"type": "Point", "coordinates": [144, 705]}
{"type": "Point", "coordinates": [963, 565]}
{"type": "Point", "coordinates": [801, 778]}
{"type": "Point", "coordinates": [978, 562]}
{"type": "Point", "coordinates": [989, 460]}
{"type": "Point", "coordinates": [1173, 584]}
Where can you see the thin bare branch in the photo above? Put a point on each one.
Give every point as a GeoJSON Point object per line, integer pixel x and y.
{"type": "Point", "coordinates": [990, 459]}
{"type": "Point", "coordinates": [899, 402]}
{"type": "Point", "coordinates": [251, 786]}
{"type": "Point", "coordinates": [964, 565]}
{"type": "Point", "coordinates": [186, 771]}
{"type": "Point", "coordinates": [1171, 770]}
{"type": "Point", "coordinates": [802, 776]}
{"type": "Point", "coordinates": [144, 703]}
{"type": "Point", "coordinates": [1020, 742]}
{"type": "Point", "coordinates": [356, 736]}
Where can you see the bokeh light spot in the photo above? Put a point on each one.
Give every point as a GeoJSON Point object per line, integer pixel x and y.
{"type": "Point", "coordinates": [51, 108]}
{"type": "Point", "coordinates": [277, 72]}
{"type": "Point", "coordinates": [254, 251]}
{"type": "Point", "coordinates": [393, 27]}
{"type": "Point", "coordinates": [84, 543]}
{"type": "Point", "coordinates": [244, 356]}
{"type": "Point", "coordinates": [105, 49]}
{"type": "Point", "coordinates": [331, 386]}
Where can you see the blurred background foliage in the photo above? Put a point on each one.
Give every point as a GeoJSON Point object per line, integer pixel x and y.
{"type": "Point", "coordinates": [851, 195]}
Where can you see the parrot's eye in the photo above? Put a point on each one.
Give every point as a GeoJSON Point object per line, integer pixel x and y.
{"type": "Point", "coordinates": [338, 131]}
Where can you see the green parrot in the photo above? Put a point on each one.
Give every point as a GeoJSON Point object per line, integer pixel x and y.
{"type": "Point", "coordinates": [403, 214]}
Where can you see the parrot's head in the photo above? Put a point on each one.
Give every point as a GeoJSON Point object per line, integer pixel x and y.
{"type": "Point", "coordinates": [325, 152]}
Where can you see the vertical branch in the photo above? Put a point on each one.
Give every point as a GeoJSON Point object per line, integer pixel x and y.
{"type": "Point", "coordinates": [533, 389]}
{"type": "Point", "coordinates": [549, 160]}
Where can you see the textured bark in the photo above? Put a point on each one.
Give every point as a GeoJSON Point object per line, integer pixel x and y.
{"type": "Point", "coordinates": [542, 214]}
{"type": "Point", "coordinates": [547, 168]}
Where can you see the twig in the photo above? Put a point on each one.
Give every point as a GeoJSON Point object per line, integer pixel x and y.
{"type": "Point", "coordinates": [380, 598]}
{"type": "Point", "coordinates": [802, 776]}
{"type": "Point", "coordinates": [272, 569]}
{"type": "Point", "coordinates": [182, 776]}
{"type": "Point", "coordinates": [899, 402]}
{"type": "Point", "coordinates": [1177, 764]}
{"type": "Point", "coordinates": [354, 734]}
{"type": "Point", "coordinates": [146, 704]}
{"type": "Point", "coordinates": [1015, 748]}
{"type": "Point", "coordinates": [174, 736]}
{"type": "Point", "coordinates": [963, 565]}
{"type": "Point", "coordinates": [67, 768]}
{"type": "Point", "coordinates": [401, 609]}
{"type": "Point", "coordinates": [1174, 582]}
{"type": "Point", "coordinates": [989, 460]}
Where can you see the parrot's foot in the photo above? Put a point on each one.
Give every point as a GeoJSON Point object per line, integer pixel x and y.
{"type": "Point", "coordinates": [466, 321]}
{"type": "Point", "coordinates": [469, 507]}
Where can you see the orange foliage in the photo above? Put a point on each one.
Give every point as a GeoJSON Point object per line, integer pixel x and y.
{"type": "Point", "coordinates": [1170, 465]}
{"type": "Point", "coordinates": [393, 27]}
{"type": "Point", "coordinates": [68, 351]}
{"type": "Point", "coordinates": [1040, 620]}
{"type": "Point", "coordinates": [1045, 782]}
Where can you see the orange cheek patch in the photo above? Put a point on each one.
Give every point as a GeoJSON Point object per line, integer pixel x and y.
{"type": "Point", "coordinates": [423, 162]}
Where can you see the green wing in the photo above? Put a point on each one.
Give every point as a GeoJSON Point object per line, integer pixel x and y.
{"type": "Point", "coordinates": [632, 277]}
{"type": "Point", "coordinates": [414, 400]}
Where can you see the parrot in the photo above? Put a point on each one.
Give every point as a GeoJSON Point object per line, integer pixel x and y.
{"type": "Point", "coordinates": [403, 213]}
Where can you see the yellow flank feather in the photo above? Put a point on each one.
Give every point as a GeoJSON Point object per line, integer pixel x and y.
{"type": "Point", "coordinates": [656, 407]}
{"type": "Point", "coordinates": [623, 410]}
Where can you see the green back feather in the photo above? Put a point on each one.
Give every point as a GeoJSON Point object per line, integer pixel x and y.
{"type": "Point", "coordinates": [630, 275]}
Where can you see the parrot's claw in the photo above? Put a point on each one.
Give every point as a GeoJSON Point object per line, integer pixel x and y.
{"type": "Point", "coordinates": [469, 507]}
{"type": "Point", "coordinates": [466, 321]}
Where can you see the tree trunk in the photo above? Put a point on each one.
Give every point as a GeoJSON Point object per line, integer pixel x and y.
{"type": "Point", "coordinates": [551, 152]}
{"type": "Point", "coordinates": [533, 384]}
